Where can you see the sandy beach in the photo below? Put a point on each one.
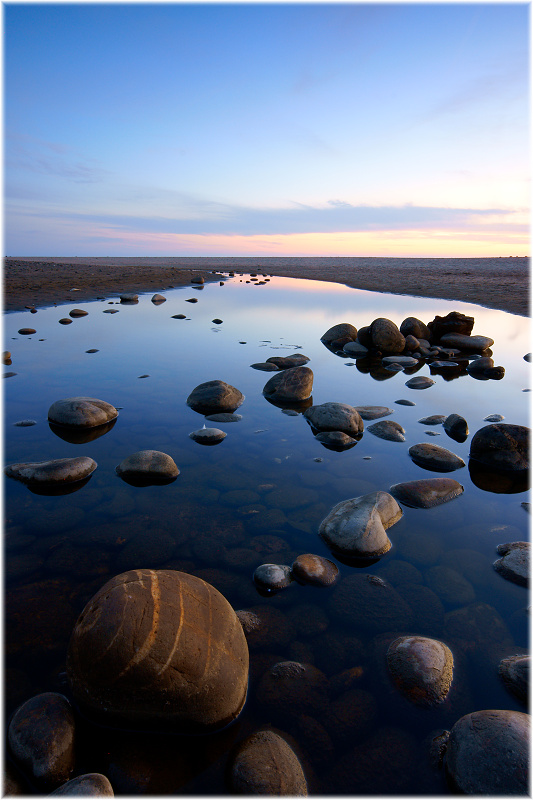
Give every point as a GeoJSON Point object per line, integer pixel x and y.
{"type": "Point", "coordinates": [500, 283]}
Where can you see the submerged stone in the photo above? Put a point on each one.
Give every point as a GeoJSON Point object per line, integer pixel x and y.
{"type": "Point", "coordinates": [264, 763]}
{"type": "Point", "coordinates": [421, 668]}
{"type": "Point", "coordinates": [420, 382]}
{"type": "Point", "coordinates": [356, 527]}
{"type": "Point", "coordinates": [272, 577]}
{"type": "Point", "coordinates": [92, 784]}
{"type": "Point", "coordinates": [150, 466]}
{"type": "Point", "coordinates": [514, 564]}
{"type": "Point", "coordinates": [368, 602]}
{"type": "Point", "coordinates": [336, 440]}
{"type": "Point", "coordinates": [514, 671]}
{"type": "Point", "coordinates": [426, 493]}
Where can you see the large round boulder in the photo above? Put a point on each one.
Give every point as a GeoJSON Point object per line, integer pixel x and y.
{"type": "Point", "coordinates": [214, 397]}
{"type": "Point", "coordinates": [264, 763]}
{"type": "Point", "coordinates": [501, 446]}
{"type": "Point", "coordinates": [411, 326]}
{"type": "Point", "coordinates": [290, 385]}
{"type": "Point", "coordinates": [356, 528]}
{"type": "Point", "coordinates": [386, 336]}
{"type": "Point", "coordinates": [335, 417]}
{"type": "Point", "coordinates": [421, 668]}
{"type": "Point", "coordinates": [83, 412]}
{"type": "Point", "coordinates": [159, 649]}
{"type": "Point", "coordinates": [488, 753]}
{"type": "Point", "coordinates": [341, 333]}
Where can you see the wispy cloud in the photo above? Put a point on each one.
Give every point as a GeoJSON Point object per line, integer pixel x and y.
{"type": "Point", "coordinates": [29, 154]}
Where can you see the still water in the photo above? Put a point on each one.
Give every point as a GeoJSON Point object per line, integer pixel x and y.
{"type": "Point", "coordinates": [259, 497]}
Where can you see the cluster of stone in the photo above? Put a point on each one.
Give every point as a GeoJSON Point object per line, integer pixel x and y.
{"type": "Point", "coordinates": [305, 569]}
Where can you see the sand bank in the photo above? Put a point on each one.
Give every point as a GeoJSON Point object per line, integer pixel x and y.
{"type": "Point", "coordinates": [500, 283]}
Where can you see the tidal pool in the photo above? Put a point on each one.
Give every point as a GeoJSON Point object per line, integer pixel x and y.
{"type": "Point", "coordinates": [258, 497]}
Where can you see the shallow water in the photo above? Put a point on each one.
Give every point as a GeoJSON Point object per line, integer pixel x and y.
{"type": "Point", "coordinates": [259, 496]}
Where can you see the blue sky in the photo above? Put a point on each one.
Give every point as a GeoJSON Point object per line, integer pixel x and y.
{"type": "Point", "coordinates": [274, 129]}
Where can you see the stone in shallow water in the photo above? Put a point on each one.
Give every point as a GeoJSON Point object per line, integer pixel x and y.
{"type": "Point", "coordinates": [421, 668]}
{"type": "Point", "coordinates": [129, 298]}
{"type": "Point", "coordinates": [56, 471]}
{"type": "Point", "coordinates": [335, 417]}
{"type": "Point", "coordinates": [65, 321]}
{"type": "Point", "coordinates": [356, 528]}
{"type": "Point", "coordinates": [336, 440]}
{"type": "Point", "coordinates": [433, 419]}
{"type": "Point", "coordinates": [27, 331]}
{"type": "Point", "coordinates": [501, 447]}
{"type": "Point", "coordinates": [402, 361]}
{"type": "Point", "coordinates": [83, 412]}
{"type": "Point", "coordinates": [290, 385]}
{"type": "Point", "coordinates": [159, 649]}
{"type": "Point", "coordinates": [405, 403]}
{"type": "Point", "coordinates": [264, 763]}
{"type": "Point", "coordinates": [433, 457]}
{"type": "Point", "coordinates": [355, 349]}
{"type": "Point", "coordinates": [208, 435]}
{"type": "Point", "coordinates": [370, 603]}
{"type": "Point", "coordinates": [474, 344]}
{"type": "Point", "coordinates": [157, 299]}
{"type": "Point", "coordinates": [286, 362]}
{"type": "Point", "coordinates": [315, 570]}
{"type": "Point", "coordinates": [488, 753]}
{"type": "Point", "coordinates": [264, 366]}
{"type": "Point", "coordinates": [494, 418]}
{"type": "Point", "coordinates": [25, 423]}
{"type": "Point", "coordinates": [224, 417]}
{"type": "Point", "coordinates": [388, 429]}
{"type": "Point", "coordinates": [514, 671]}
{"type": "Point", "coordinates": [214, 397]}
{"type": "Point", "coordinates": [149, 467]}
{"type": "Point", "coordinates": [514, 564]}
{"type": "Point", "coordinates": [92, 784]}
{"type": "Point", "coordinates": [373, 412]}
{"type": "Point", "coordinates": [386, 336]}
{"type": "Point", "coordinates": [420, 382]}
{"type": "Point", "coordinates": [426, 493]}
{"type": "Point", "coordinates": [272, 577]}
{"type": "Point", "coordinates": [344, 330]}
{"type": "Point", "coordinates": [456, 427]}
{"type": "Point", "coordinates": [41, 738]}
{"type": "Point", "coordinates": [77, 312]}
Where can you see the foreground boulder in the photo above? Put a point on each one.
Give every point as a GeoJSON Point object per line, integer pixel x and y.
{"type": "Point", "coordinates": [290, 386]}
{"type": "Point", "coordinates": [58, 471]}
{"type": "Point", "coordinates": [421, 668]}
{"type": "Point", "coordinates": [264, 763]}
{"type": "Point", "coordinates": [41, 738]}
{"type": "Point", "coordinates": [83, 412]}
{"type": "Point", "coordinates": [214, 397]}
{"type": "Point", "coordinates": [339, 335]}
{"type": "Point", "coordinates": [356, 528]}
{"type": "Point", "coordinates": [488, 753]}
{"type": "Point", "coordinates": [159, 649]}
{"type": "Point", "coordinates": [92, 784]}
{"type": "Point", "coordinates": [501, 446]}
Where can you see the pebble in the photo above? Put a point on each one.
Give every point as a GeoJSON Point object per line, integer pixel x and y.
{"type": "Point", "coordinates": [29, 331]}
{"type": "Point", "coordinates": [208, 436]}
{"type": "Point", "coordinates": [405, 403]}
{"type": "Point", "coordinates": [419, 382]}
{"type": "Point", "coordinates": [434, 419]}
{"type": "Point", "coordinates": [389, 430]}
{"type": "Point", "coordinates": [78, 312]}
{"type": "Point", "coordinates": [178, 316]}
{"type": "Point", "coordinates": [272, 577]}
{"type": "Point", "coordinates": [93, 350]}
{"type": "Point", "coordinates": [65, 321]}
{"type": "Point", "coordinates": [157, 299]}
{"type": "Point", "coordinates": [373, 412]}
{"type": "Point", "coordinates": [25, 423]}
{"type": "Point", "coordinates": [110, 311]}
{"type": "Point", "coordinates": [494, 418]}
{"type": "Point", "coordinates": [314, 570]}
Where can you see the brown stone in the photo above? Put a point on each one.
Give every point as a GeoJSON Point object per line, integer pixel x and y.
{"type": "Point", "coordinates": [265, 763]}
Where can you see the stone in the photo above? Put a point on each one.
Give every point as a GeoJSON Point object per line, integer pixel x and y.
{"type": "Point", "coordinates": [411, 326]}
{"type": "Point", "coordinates": [454, 322]}
{"type": "Point", "coordinates": [41, 739]}
{"type": "Point", "coordinates": [470, 344]}
{"type": "Point", "coordinates": [356, 528]}
{"type": "Point", "coordinates": [355, 349]}
{"type": "Point", "coordinates": [264, 366]}
{"type": "Point", "coordinates": [514, 672]}
{"type": "Point", "coordinates": [501, 446]}
{"type": "Point", "coordinates": [402, 402]}
{"type": "Point", "coordinates": [208, 435]}
{"type": "Point", "coordinates": [178, 316]}
{"type": "Point", "coordinates": [81, 412]}
{"type": "Point", "coordinates": [266, 628]}
{"type": "Point", "coordinates": [335, 417]}
{"type": "Point", "coordinates": [293, 688]}
{"type": "Point", "coordinates": [494, 418]}
{"type": "Point", "coordinates": [65, 321]}
{"type": "Point", "coordinates": [159, 649]}
{"type": "Point", "coordinates": [388, 429]}
{"type": "Point", "coordinates": [433, 419]}
{"type": "Point", "coordinates": [314, 570]}
{"type": "Point", "coordinates": [286, 362]}
{"type": "Point", "coordinates": [92, 784]}
{"type": "Point", "coordinates": [25, 423]}
{"type": "Point", "coordinates": [336, 440]}
{"type": "Point", "coordinates": [426, 493]}
{"type": "Point", "coordinates": [27, 331]}
{"type": "Point", "coordinates": [369, 603]}
{"type": "Point", "coordinates": [479, 367]}
{"type": "Point", "coordinates": [420, 382]}
{"type": "Point", "coordinates": [77, 312]}
{"type": "Point", "coordinates": [488, 753]}
{"type": "Point", "coordinates": [456, 427]}
{"type": "Point", "coordinates": [421, 668]}
{"type": "Point", "coordinates": [214, 397]}
{"type": "Point", "coordinates": [157, 299]}
{"type": "Point", "coordinates": [129, 298]}
{"type": "Point", "coordinates": [373, 412]}
{"type": "Point", "coordinates": [514, 563]}
{"type": "Point", "coordinates": [272, 577]}
{"type": "Point", "coordinates": [148, 466]}
{"type": "Point", "coordinates": [290, 385]}
{"type": "Point", "coordinates": [402, 361]}
{"type": "Point", "coordinates": [452, 587]}
{"type": "Point", "coordinates": [433, 457]}
{"type": "Point", "coordinates": [264, 763]}
{"type": "Point", "coordinates": [386, 336]}
{"type": "Point", "coordinates": [217, 321]}
{"type": "Point", "coordinates": [224, 417]}
{"type": "Point", "coordinates": [56, 471]}
{"type": "Point", "coordinates": [344, 330]}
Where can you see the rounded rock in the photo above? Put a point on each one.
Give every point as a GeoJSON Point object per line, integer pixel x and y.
{"type": "Point", "coordinates": [344, 330]}
{"type": "Point", "coordinates": [264, 763]}
{"type": "Point", "coordinates": [41, 738]}
{"type": "Point", "coordinates": [148, 465]}
{"type": "Point", "coordinates": [157, 299]}
{"type": "Point", "coordinates": [82, 412]}
{"type": "Point", "coordinates": [433, 457]}
{"type": "Point", "coordinates": [65, 321]}
{"type": "Point", "coordinates": [388, 429]}
{"type": "Point", "coordinates": [335, 417]}
{"type": "Point", "coordinates": [501, 446]}
{"type": "Point", "coordinates": [290, 385]}
{"type": "Point", "coordinates": [514, 563]}
{"type": "Point", "coordinates": [56, 471]}
{"type": "Point", "coordinates": [92, 784]}
{"type": "Point", "coordinates": [456, 427]}
{"type": "Point", "coordinates": [208, 435]}
{"type": "Point", "coordinates": [386, 336]}
{"type": "Point", "coordinates": [488, 753]}
{"type": "Point", "coordinates": [77, 312]}
{"type": "Point", "coordinates": [315, 570]}
{"type": "Point", "coordinates": [26, 332]}
{"type": "Point", "coordinates": [159, 649]}
{"type": "Point", "coordinates": [214, 397]}
{"type": "Point", "coordinates": [272, 577]}
{"type": "Point", "coordinates": [472, 344]}
{"type": "Point", "coordinates": [514, 672]}
{"type": "Point", "coordinates": [356, 528]}
{"type": "Point", "coordinates": [411, 326]}
{"type": "Point", "coordinates": [421, 668]}
{"type": "Point", "coordinates": [426, 493]}
{"type": "Point", "coordinates": [373, 412]}
{"type": "Point", "coordinates": [420, 382]}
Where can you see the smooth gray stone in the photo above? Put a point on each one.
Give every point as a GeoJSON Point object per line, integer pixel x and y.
{"type": "Point", "coordinates": [57, 470]}
{"type": "Point", "coordinates": [356, 527]}
{"type": "Point", "coordinates": [373, 412]}
{"type": "Point", "coordinates": [419, 382]}
{"type": "Point", "coordinates": [355, 349]}
{"type": "Point", "coordinates": [388, 429]}
{"type": "Point", "coordinates": [148, 464]}
{"type": "Point", "coordinates": [431, 456]}
{"type": "Point", "coordinates": [426, 493]}
{"type": "Point", "coordinates": [335, 417]}
{"type": "Point", "coordinates": [208, 435]}
{"type": "Point", "coordinates": [475, 344]}
{"type": "Point", "coordinates": [82, 412]}
{"type": "Point", "coordinates": [273, 577]}
{"type": "Point", "coordinates": [514, 564]}
{"type": "Point", "coordinates": [403, 361]}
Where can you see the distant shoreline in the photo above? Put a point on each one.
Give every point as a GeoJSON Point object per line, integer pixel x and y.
{"type": "Point", "coordinates": [501, 283]}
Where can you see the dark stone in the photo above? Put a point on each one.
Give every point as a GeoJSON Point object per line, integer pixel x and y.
{"type": "Point", "coordinates": [421, 668]}
{"type": "Point", "coordinates": [426, 493]}
{"type": "Point", "coordinates": [290, 385]}
{"type": "Point", "coordinates": [92, 784]}
{"type": "Point", "coordinates": [386, 336]}
{"type": "Point", "coordinates": [264, 763]}
{"type": "Point", "coordinates": [214, 397]}
{"type": "Point", "coordinates": [501, 446]}
{"type": "Point", "coordinates": [454, 322]}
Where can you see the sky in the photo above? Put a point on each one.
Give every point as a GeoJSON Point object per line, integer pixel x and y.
{"type": "Point", "coordinates": [247, 129]}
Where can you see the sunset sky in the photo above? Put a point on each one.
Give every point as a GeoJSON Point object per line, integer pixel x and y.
{"type": "Point", "coordinates": [266, 129]}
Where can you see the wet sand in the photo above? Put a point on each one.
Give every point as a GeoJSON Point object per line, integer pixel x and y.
{"type": "Point", "coordinates": [500, 283]}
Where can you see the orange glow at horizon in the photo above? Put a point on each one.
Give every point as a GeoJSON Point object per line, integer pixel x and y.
{"type": "Point", "coordinates": [393, 244]}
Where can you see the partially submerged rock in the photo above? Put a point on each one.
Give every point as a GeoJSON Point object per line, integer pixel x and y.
{"type": "Point", "coordinates": [501, 446]}
{"type": "Point", "coordinates": [514, 563]}
{"type": "Point", "coordinates": [386, 336]}
{"type": "Point", "coordinates": [473, 344]}
{"type": "Point", "coordinates": [420, 382]}
{"type": "Point", "coordinates": [208, 436]}
{"type": "Point", "coordinates": [433, 457]}
{"type": "Point", "coordinates": [83, 412]}
{"type": "Point", "coordinates": [264, 763]}
{"type": "Point", "coordinates": [315, 570]}
{"type": "Point", "coordinates": [342, 333]}
{"type": "Point", "coordinates": [388, 429]}
{"type": "Point", "coordinates": [272, 577]}
{"type": "Point", "coordinates": [456, 427]}
{"type": "Point", "coordinates": [373, 412]}
{"type": "Point", "coordinates": [159, 649]}
{"type": "Point", "coordinates": [426, 493]}
{"type": "Point", "coordinates": [148, 467]}
{"type": "Point", "coordinates": [333, 416]}
{"type": "Point", "coordinates": [92, 784]}
{"type": "Point", "coordinates": [356, 528]}
{"type": "Point", "coordinates": [421, 668]}
{"type": "Point", "coordinates": [214, 397]}
{"type": "Point", "coordinates": [514, 672]}
{"type": "Point", "coordinates": [55, 471]}
{"type": "Point", "coordinates": [290, 385]}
